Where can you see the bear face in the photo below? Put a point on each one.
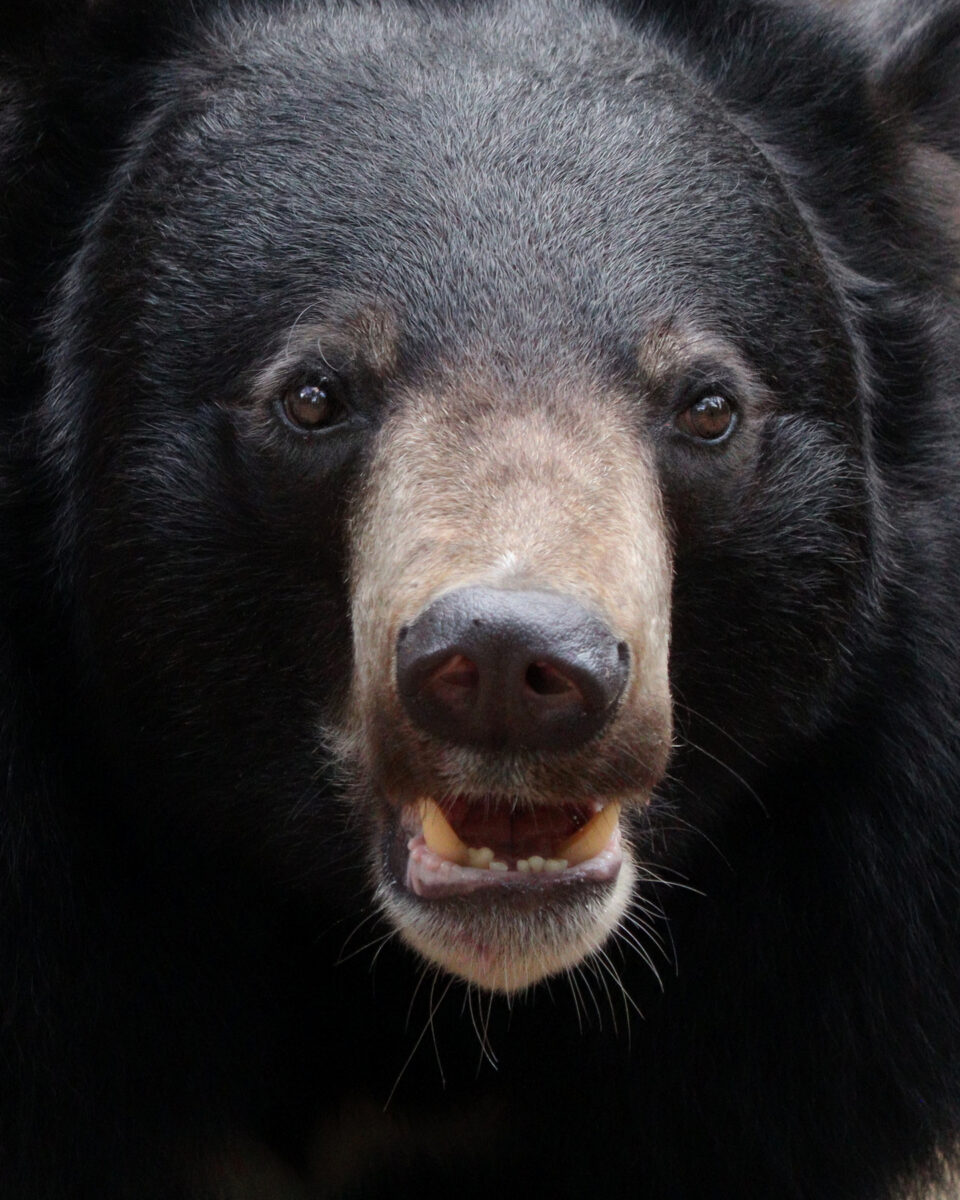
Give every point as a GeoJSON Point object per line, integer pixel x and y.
{"type": "Point", "coordinates": [477, 494]}
{"type": "Point", "coordinates": [365, 338]}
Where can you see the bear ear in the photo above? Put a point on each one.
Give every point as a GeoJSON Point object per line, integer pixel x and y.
{"type": "Point", "coordinates": [918, 68]}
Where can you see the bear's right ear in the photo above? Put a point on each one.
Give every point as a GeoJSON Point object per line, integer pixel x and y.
{"type": "Point", "coordinates": [917, 74]}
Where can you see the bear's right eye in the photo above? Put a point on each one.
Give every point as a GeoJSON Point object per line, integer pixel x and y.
{"type": "Point", "coordinates": [314, 407]}
{"type": "Point", "coordinates": [711, 418]}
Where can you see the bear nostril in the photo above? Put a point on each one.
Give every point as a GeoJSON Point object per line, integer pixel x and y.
{"type": "Point", "coordinates": [457, 677]}
{"type": "Point", "coordinates": [545, 680]}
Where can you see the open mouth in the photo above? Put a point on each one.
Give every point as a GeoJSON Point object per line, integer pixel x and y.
{"type": "Point", "coordinates": [461, 845]}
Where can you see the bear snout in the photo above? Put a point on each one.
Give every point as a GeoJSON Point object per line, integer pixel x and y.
{"type": "Point", "coordinates": [510, 696]}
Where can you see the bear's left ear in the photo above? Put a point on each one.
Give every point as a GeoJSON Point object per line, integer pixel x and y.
{"type": "Point", "coordinates": [918, 69]}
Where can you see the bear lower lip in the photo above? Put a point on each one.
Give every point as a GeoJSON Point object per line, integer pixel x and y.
{"type": "Point", "coordinates": [431, 877]}
{"type": "Point", "coordinates": [565, 844]}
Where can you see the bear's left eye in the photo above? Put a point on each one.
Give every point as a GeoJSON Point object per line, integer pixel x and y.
{"type": "Point", "coordinates": [314, 407]}
{"type": "Point", "coordinates": [710, 418]}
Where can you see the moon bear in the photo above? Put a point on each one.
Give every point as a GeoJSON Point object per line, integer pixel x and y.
{"type": "Point", "coordinates": [479, 599]}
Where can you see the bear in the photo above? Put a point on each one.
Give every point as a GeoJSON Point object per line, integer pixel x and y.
{"type": "Point", "coordinates": [479, 532]}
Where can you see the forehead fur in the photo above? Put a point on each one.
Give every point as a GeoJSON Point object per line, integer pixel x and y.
{"type": "Point", "coordinates": [446, 161]}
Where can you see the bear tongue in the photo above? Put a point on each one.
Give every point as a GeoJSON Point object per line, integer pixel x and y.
{"type": "Point", "coordinates": [514, 833]}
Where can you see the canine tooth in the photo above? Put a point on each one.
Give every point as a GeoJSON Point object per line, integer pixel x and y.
{"type": "Point", "coordinates": [439, 834]}
{"type": "Point", "coordinates": [553, 865]}
{"type": "Point", "coordinates": [536, 863]}
{"type": "Point", "coordinates": [499, 866]}
{"type": "Point", "coordinates": [522, 865]}
{"type": "Point", "coordinates": [479, 856]}
{"type": "Point", "coordinates": [593, 837]}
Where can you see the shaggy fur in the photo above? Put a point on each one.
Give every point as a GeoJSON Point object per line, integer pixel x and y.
{"type": "Point", "coordinates": [522, 238]}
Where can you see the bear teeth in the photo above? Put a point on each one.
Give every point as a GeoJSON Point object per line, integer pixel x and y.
{"type": "Point", "coordinates": [442, 839]}
{"type": "Point", "coordinates": [593, 837]}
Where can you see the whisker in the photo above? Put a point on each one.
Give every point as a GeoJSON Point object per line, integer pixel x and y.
{"type": "Point", "coordinates": [424, 972]}
{"type": "Point", "coordinates": [582, 975]}
{"type": "Point", "coordinates": [371, 916]}
{"type": "Point", "coordinates": [480, 1027]}
{"type": "Point", "coordinates": [594, 965]}
{"type": "Point", "coordinates": [751, 791]}
{"type": "Point", "coordinates": [605, 963]}
{"type": "Point", "coordinates": [387, 937]}
{"type": "Point", "coordinates": [577, 999]}
{"type": "Point", "coordinates": [428, 1024]}
{"type": "Point", "coordinates": [380, 941]}
{"type": "Point", "coordinates": [433, 1028]}
{"type": "Point", "coordinates": [486, 1031]}
{"type": "Point", "coordinates": [681, 703]}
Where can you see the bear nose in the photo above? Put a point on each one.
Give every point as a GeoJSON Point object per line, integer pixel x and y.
{"type": "Point", "coordinates": [502, 669]}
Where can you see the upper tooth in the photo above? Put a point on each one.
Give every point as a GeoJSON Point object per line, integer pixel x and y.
{"type": "Point", "coordinates": [440, 835]}
{"type": "Point", "coordinates": [593, 837]}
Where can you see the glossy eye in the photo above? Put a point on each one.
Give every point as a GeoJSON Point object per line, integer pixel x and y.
{"type": "Point", "coordinates": [314, 407]}
{"type": "Point", "coordinates": [709, 419]}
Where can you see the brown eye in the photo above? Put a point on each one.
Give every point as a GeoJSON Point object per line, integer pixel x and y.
{"type": "Point", "coordinates": [708, 419]}
{"type": "Point", "coordinates": [314, 406]}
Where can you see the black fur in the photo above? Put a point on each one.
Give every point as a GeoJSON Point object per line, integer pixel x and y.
{"type": "Point", "coordinates": [182, 962]}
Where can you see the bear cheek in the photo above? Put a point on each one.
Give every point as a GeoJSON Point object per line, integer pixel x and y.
{"type": "Point", "coordinates": [550, 509]}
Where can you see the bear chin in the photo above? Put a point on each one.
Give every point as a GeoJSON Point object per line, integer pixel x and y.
{"type": "Point", "coordinates": [504, 923]}
{"type": "Point", "coordinates": [526, 934]}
